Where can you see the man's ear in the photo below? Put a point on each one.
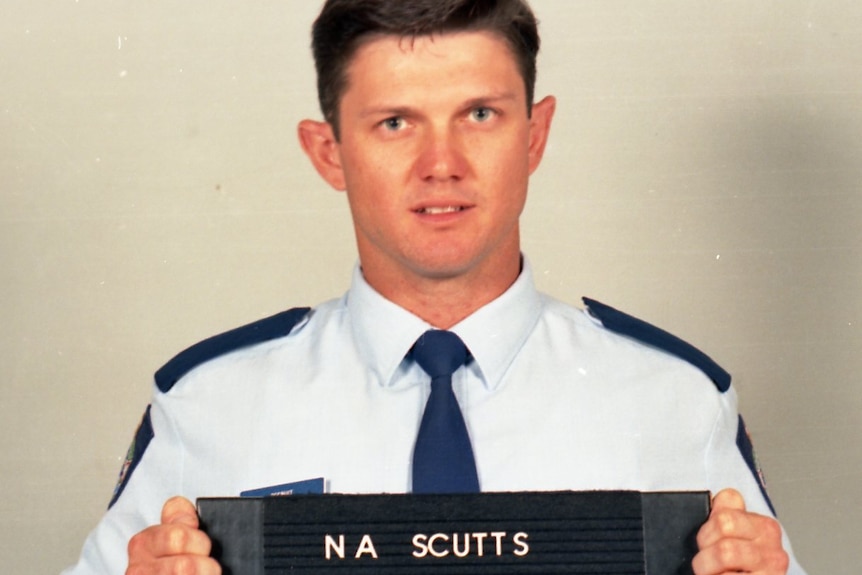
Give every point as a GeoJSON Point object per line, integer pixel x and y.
{"type": "Point", "coordinates": [540, 128]}
{"type": "Point", "coordinates": [318, 141]}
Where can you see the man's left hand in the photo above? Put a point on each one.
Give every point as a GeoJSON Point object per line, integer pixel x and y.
{"type": "Point", "coordinates": [734, 540]}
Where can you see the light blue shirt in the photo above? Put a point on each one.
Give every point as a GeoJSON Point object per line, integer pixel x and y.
{"type": "Point", "coordinates": [552, 401]}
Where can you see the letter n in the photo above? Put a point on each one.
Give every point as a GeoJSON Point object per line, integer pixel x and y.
{"type": "Point", "coordinates": [331, 545]}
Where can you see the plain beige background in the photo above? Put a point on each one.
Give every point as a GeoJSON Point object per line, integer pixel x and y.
{"type": "Point", "coordinates": [704, 173]}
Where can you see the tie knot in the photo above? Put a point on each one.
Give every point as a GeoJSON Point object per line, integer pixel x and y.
{"type": "Point", "coordinates": [440, 353]}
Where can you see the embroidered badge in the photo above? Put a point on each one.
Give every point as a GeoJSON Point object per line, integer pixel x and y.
{"type": "Point", "coordinates": [124, 470]}
{"type": "Point", "coordinates": [142, 439]}
{"type": "Point", "coordinates": [746, 448]}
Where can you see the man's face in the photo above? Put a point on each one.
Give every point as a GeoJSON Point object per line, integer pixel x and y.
{"type": "Point", "coordinates": [435, 153]}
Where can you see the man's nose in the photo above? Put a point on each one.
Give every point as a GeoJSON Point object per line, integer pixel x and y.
{"type": "Point", "coordinates": [442, 157]}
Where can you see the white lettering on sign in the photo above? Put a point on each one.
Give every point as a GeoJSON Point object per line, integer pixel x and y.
{"type": "Point", "coordinates": [480, 543]}
{"type": "Point", "coordinates": [462, 545]}
{"type": "Point", "coordinates": [520, 541]}
{"type": "Point", "coordinates": [438, 545]}
{"type": "Point", "coordinates": [330, 545]}
{"type": "Point", "coordinates": [498, 537]}
{"type": "Point", "coordinates": [431, 545]}
{"type": "Point", "coordinates": [366, 546]}
{"type": "Point", "coordinates": [462, 551]}
{"type": "Point", "coordinates": [336, 547]}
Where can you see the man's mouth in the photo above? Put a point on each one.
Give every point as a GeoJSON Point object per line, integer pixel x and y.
{"type": "Point", "coordinates": [435, 210]}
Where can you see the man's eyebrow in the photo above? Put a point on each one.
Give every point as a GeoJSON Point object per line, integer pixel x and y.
{"type": "Point", "coordinates": [398, 110]}
{"type": "Point", "coordinates": [490, 99]}
{"type": "Point", "coordinates": [388, 111]}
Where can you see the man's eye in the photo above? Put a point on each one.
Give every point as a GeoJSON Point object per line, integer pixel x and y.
{"type": "Point", "coordinates": [393, 124]}
{"type": "Point", "coordinates": [481, 114]}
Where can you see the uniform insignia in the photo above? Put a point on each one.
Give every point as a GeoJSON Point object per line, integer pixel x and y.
{"type": "Point", "coordinates": [624, 324]}
{"type": "Point", "coordinates": [142, 439]}
{"type": "Point", "coordinates": [746, 447]}
{"type": "Point", "coordinates": [260, 331]}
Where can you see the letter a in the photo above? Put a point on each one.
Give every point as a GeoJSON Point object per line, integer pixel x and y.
{"type": "Point", "coordinates": [366, 546]}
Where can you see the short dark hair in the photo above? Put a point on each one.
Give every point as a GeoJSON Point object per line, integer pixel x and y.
{"type": "Point", "coordinates": [343, 25]}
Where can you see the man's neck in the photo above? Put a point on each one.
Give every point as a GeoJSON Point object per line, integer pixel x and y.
{"type": "Point", "coordinates": [444, 301]}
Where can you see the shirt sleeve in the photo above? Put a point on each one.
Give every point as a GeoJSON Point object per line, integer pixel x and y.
{"type": "Point", "coordinates": [731, 464]}
{"type": "Point", "coordinates": [153, 478]}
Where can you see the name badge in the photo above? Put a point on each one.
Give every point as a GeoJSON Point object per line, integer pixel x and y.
{"type": "Point", "coordinates": [309, 486]}
{"type": "Point", "coordinates": [487, 533]}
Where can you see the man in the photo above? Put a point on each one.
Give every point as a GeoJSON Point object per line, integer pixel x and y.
{"type": "Point", "coordinates": [431, 130]}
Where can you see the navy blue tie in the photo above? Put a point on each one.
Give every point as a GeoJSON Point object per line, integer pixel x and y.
{"type": "Point", "coordinates": [443, 457]}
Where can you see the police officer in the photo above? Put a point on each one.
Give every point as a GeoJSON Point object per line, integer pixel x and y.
{"type": "Point", "coordinates": [431, 129]}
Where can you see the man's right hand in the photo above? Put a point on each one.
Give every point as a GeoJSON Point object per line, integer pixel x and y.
{"type": "Point", "coordinates": [175, 547]}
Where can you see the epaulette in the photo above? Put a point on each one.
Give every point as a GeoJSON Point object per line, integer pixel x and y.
{"type": "Point", "coordinates": [260, 331]}
{"type": "Point", "coordinates": [624, 324]}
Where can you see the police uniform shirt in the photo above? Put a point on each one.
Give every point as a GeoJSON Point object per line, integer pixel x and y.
{"type": "Point", "coordinates": [553, 400]}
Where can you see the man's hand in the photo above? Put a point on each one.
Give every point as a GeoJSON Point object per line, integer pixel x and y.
{"type": "Point", "coordinates": [175, 547]}
{"type": "Point", "coordinates": [734, 540]}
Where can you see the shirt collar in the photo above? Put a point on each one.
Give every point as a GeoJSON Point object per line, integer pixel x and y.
{"type": "Point", "coordinates": [384, 332]}
{"type": "Point", "coordinates": [496, 332]}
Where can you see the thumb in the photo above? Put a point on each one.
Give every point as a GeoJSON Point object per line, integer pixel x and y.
{"type": "Point", "coordinates": [180, 510]}
{"type": "Point", "coordinates": [728, 499]}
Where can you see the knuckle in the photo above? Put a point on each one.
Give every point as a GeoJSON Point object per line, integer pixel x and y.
{"type": "Point", "coordinates": [174, 539]}
{"type": "Point", "coordinates": [783, 561]}
{"type": "Point", "coordinates": [726, 522]}
{"type": "Point", "coordinates": [772, 530]}
{"type": "Point", "coordinates": [185, 565]}
{"type": "Point", "coordinates": [137, 545]}
{"type": "Point", "coordinates": [726, 552]}
{"type": "Point", "coordinates": [214, 567]}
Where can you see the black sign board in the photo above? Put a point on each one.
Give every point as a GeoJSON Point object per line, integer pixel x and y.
{"type": "Point", "coordinates": [597, 532]}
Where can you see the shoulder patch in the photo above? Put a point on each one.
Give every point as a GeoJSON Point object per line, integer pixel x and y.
{"type": "Point", "coordinates": [260, 331]}
{"type": "Point", "coordinates": [746, 448]}
{"type": "Point", "coordinates": [624, 324]}
{"type": "Point", "coordinates": [142, 439]}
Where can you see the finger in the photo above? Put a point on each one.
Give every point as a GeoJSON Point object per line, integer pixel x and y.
{"type": "Point", "coordinates": [728, 519]}
{"type": "Point", "coordinates": [728, 499]}
{"type": "Point", "coordinates": [182, 565]}
{"type": "Point", "coordinates": [168, 540]}
{"type": "Point", "coordinates": [189, 565]}
{"type": "Point", "coordinates": [736, 540]}
{"type": "Point", "coordinates": [765, 556]}
{"type": "Point", "coordinates": [180, 510]}
{"type": "Point", "coordinates": [729, 524]}
{"type": "Point", "coordinates": [727, 556]}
